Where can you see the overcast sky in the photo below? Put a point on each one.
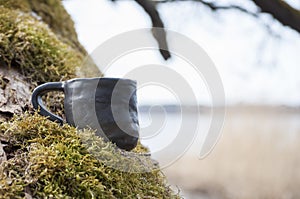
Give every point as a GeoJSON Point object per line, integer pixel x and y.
{"type": "Point", "coordinates": [255, 67]}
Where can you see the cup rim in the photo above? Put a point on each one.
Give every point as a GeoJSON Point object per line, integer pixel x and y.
{"type": "Point", "coordinates": [111, 79]}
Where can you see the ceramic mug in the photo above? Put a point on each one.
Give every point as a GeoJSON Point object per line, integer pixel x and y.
{"type": "Point", "coordinates": [108, 105]}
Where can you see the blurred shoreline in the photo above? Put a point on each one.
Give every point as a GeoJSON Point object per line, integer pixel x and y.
{"type": "Point", "coordinates": [236, 107]}
{"type": "Point", "coordinates": [256, 156]}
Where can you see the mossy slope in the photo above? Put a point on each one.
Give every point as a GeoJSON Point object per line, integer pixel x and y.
{"type": "Point", "coordinates": [47, 160]}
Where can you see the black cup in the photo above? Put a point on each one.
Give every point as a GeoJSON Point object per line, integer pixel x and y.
{"type": "Point", "coordinates": [107, 105]}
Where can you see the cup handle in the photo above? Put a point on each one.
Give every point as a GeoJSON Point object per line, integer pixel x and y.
{"type": "Point", "coordinates": [37, 102]}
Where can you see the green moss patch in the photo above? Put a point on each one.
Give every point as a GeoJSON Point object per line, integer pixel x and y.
{"type": "Point", "coordinates": [16, 4]}
{"type": "Point", "coordinates": [30, 45]}
{"type": "Point", "coordinates": [52, 13]}
{"type": "Point", "coordinates": [48, 160]}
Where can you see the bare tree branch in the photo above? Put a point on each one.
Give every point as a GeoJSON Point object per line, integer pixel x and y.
{"type": "Point", "coordinates": [158, 27]}
{"type": "Point", "coordinates": [158, 30]}
{"type": "Point", "coordinates": [280, 10]}
{"type": "Point", "coordinates": [283, 12]}
{"type": "Point", "coordinates": [216, 7]}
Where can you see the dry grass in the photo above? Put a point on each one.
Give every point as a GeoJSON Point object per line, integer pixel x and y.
{"type": "Point", "coordinates": [257, 157]}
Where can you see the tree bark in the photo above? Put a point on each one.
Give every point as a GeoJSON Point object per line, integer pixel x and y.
{"type": "Point", "coordinates": [14, 93]}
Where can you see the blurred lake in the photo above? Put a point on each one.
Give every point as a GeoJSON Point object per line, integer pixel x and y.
{"type": "Point", "coordinates": [256, 156]}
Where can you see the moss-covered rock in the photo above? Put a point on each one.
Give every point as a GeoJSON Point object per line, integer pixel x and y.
{"type": "Point", "coordinates": [48, 160]}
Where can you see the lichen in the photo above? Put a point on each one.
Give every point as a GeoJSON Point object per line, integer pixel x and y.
{"type": "Point", "coordinates": [48, 160]}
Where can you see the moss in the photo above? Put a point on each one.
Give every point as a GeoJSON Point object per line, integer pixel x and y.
{"type": "Point", "coordinates": [48, 160]}
{"type": "Point", "coordinates": [33, 47]}
{"type": "Point", "coordinates": [16, 4]}
{"type": "Point", "coordinates": [52, 13]}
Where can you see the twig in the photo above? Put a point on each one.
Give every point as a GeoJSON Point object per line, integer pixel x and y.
{"type": "Point", "coordinates": [215, 7]}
